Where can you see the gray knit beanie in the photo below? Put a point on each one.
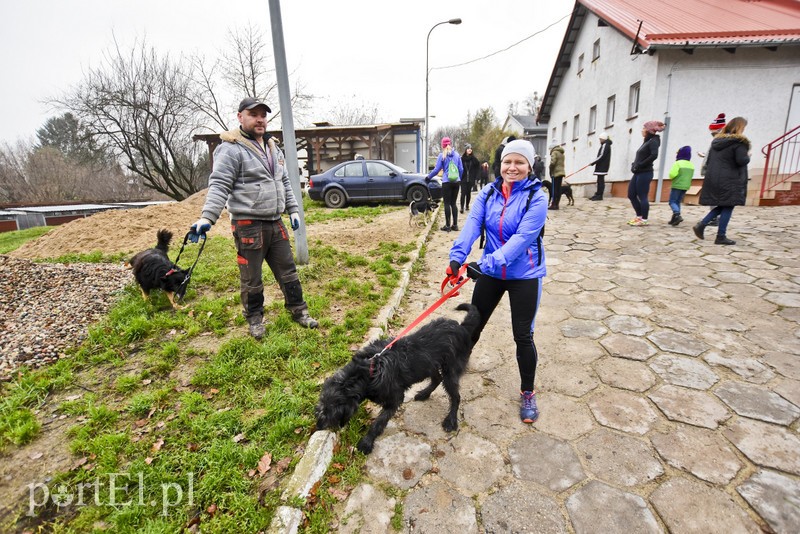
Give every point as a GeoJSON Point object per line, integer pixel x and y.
{"type": "Point", "coordinates": [521, 147]}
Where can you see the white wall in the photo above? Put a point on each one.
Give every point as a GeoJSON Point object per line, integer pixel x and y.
{"type": "Point", "coordinates": [611, 74]}
{"type": "Point", "coordinates": [688, 90]}
{"type": "Point", "coordinates": [754, 83]}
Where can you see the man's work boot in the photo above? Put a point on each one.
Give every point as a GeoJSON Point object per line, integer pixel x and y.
{"type": "Point", "coordinates": [256, 326]}
{"type": "Point", "coordinates": [302, 318]}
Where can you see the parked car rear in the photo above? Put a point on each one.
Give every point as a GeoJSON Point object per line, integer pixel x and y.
{"type": "Point", "coordinates": [370, 180]}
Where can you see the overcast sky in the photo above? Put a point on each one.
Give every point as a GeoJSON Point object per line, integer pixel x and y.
{"type": "Point", "coordinates": [368, 52]}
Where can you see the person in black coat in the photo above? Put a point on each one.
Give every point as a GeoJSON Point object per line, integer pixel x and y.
{"type": "Point", "coordinates": [472, 170]}
{"type": "Point", "coordinates": [498, 155]}
{"type": "Point", "coordinates": [538, 167]}
{"type": "Point", "coordinates": [642, 169]}
{"type": "Point", "coordinates": [725, 181]}
{"type": "Point", "coordinates": [601, 164]}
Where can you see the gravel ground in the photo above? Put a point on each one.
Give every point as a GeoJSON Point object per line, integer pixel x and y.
{"type": "Point", "coordinates": [46, 308]}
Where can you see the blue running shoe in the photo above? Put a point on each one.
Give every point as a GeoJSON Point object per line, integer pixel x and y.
{"type": "Point", "coordinates": [528, 411]}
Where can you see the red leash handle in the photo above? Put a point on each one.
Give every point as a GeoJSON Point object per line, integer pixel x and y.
{"type": "Point", "coordinates": [460, 279]}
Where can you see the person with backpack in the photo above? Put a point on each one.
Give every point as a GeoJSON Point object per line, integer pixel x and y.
{"type": "Point", "coordinates": [513, 211]}
{"type": "Point", "coordinates": [449, 164]}
{"type": "Point", "coordinates": [472, 169]}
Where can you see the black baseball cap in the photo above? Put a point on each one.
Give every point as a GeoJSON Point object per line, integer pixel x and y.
{"type": "Point", "coordinates": [250, 103]}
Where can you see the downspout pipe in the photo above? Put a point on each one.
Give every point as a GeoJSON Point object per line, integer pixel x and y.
{"type": "Point", "coordinates": [665, 141]}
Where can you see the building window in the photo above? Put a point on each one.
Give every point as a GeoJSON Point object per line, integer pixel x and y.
{"type": "Point", "coordinates": [596, 50]}
{"type": "Point", "coordinates": [576, 128]}
{"type": "Point", "coordinates": [592, 119]}
{"type": "Point", "coordinates": [564, 132]}
{"type": "Point", "coordinates": [611, 107]}
{"type": "Point", "coordinates": [555, 134]}
{"type": "Point", "coordinates": [633, 101]}
{"type": "Point", "coordinates": [580, 64]}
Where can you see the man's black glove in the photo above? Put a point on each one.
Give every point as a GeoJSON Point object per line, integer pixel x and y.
{"type": "Point", "coordinates": [474, 270]}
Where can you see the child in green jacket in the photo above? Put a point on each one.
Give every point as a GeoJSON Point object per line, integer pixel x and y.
{"type": "Point", "coordinates": [681, 175]}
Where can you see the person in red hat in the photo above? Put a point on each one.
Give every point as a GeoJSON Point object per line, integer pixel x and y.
{"type": "Point", "coordinates": [716, 127]}
{"type": "Point", "coordinates": [449, 163]}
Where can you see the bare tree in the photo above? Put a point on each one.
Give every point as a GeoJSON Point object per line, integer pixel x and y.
{"type": "Point", "coordinates": [245, 70]}
{"type": "Point", "coordinates": [136, 105]}
{"type": "Point", "coordinates": [354, 112]}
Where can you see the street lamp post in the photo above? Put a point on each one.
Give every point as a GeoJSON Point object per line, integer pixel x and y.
{"type": "Point", "coordinates": [427, 72]}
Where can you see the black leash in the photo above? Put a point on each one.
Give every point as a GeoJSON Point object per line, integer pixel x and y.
{"type": "Point", "coordinates": [181, 292]}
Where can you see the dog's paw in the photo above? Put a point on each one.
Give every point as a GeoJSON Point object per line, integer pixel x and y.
{"type": "Point", "coordinates": [450, 424]}
{"type": "Point", "coordinates": [422, 396]}
{"type": "Point", "coordinates": [365, 445]}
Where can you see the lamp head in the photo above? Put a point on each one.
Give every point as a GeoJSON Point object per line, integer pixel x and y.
{"type": "Point", "coordinates": [454, 21]}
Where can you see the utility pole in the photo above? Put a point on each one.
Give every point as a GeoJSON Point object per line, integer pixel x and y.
{"type": "Point", "coordinates": [287, 125]}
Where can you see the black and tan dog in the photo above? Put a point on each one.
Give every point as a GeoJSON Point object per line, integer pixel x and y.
{"type": "Point", "coordinates": [420, 212]}
{"type": "Point", "coordinates": [438, 351]}
{"type": "Point", "coordinates": [153, 269]}
{"type": "Point", "coordinates": [566, 190]}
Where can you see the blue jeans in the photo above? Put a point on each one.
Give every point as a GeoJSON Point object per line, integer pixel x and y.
{"type": "Point", "coordinates": [724, 213]}
{"type": "Point", "coordinates": [638, 189]}
{"type": "Point", "coordinates": [675, 199]}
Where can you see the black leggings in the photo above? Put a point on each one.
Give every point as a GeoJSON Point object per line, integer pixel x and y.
{"type": "Point", "coordinates": [523, 295]}
{"type": "Point", "coordinates": [450, 195]}
{"type": "Point", "coordinates": [466, 193]}
{"type": "Point", "coordinates": [638, 191]}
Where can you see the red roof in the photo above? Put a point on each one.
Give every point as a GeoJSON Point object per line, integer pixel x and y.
{"type": "Point", "coordinates": [702, 22]}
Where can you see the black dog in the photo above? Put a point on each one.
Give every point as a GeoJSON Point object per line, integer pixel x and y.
{"type": "Point", "coordinates": [566, 190]}
{"type": "Point", "coordinates": [153, 269]}
{"type": "Point", "coordinates": [420, 211]}
{"type": "Point", "coordinates": [439, 351]}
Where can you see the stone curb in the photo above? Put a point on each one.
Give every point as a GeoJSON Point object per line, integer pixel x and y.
{"type": "Point", "coordinates": [319, 452]}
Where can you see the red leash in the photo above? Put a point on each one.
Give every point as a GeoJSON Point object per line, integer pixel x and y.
{"type": "Point", "coordinates": [460, 279]}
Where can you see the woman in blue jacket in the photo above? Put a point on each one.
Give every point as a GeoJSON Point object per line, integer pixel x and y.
{"type": "Point", "coordinates": [451, 181]}
{"type": "Point", "coordinates": [513, 211]}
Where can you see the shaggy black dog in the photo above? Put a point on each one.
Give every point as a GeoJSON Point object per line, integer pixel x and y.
{"type": "Point", "coordinates": [566, 190]}
{"type": "Point", "coordinates": [420, 211]}
{"type": "Point", "coordinates": [439, 351]}
{"type": "Point", "coordinates": [153, 269]}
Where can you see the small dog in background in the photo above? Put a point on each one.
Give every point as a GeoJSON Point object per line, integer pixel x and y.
{"type": "Point", "coordinates": [566, 190]}
{"type": "Point", "coordinates": [420, 212]}
{"type": "Point", "coordinates": [153, 269]}
{"type": "Point", "coordinates": [439, 351]}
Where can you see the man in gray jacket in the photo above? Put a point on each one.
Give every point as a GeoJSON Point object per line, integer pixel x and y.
{"type": "Point", "coordinates": [250, 175]}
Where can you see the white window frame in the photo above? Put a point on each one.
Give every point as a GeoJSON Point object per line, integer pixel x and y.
{"type": "Point", "coordinates": [633, 100]}
{"type": "Point", "coordinates": [596, 50]}
{"type": "Point", "coordinates": [592, 119]}
{"type": "Point", "coordinates": [563, 132]}
{"type": "Point", "coordinates": [580, 64]}
{"type": "Point", "coordinates": [611, 110]}
{"type": "Point", "coordinates": [576, 127]}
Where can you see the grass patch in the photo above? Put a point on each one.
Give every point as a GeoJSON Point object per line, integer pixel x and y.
{"type": "Point", "coordinates": [243, 399]}
{"type": "Point", "coordinates": [10, 241]}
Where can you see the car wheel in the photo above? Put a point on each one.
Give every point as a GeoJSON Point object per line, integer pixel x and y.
{"type": "Point", "coordinates": [335, 199]}
{"type": "Point", "coordinates": [417, 193]}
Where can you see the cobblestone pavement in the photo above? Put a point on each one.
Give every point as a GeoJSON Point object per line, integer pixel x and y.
{"type": "Point", "coordinates": [668, 383]}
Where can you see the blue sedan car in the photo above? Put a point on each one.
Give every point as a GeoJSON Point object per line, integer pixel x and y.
{"type": "Point", "coordinates": [370, 180]}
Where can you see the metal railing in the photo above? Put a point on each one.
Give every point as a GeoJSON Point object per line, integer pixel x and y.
{"type": "Point", "coordinates": [782, 160]}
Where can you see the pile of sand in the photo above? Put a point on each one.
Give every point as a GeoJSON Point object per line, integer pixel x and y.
{"type": "Point", "coordinates": [132, 230]}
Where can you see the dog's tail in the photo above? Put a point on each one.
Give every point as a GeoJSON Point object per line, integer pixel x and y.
{"type": "Point", "coordinates": [164, 237]}
{"type": "Point", "coordinates": [473, 319]}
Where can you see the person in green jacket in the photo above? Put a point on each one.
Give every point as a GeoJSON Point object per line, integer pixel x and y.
{"type": "Point", "coordinates": [556, 173]}
{"type": "Point", "coordinates": [681, 175]}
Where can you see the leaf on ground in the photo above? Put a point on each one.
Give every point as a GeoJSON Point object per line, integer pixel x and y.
{"type": "Point", "coordinates": [146, 382]}
{"type": "Point", "coordinates": [238, 437]}
{"type": "Point", "coordinates": [334, 479]}
{"type": "Point", "coordinates": [158, 444]}
{"type": "Point", "coordinates": [36, 455]}
{"type": "Point", "coordinates": [283, 464]}
{"type": "Point", "coordinates": [80, 463]}
{"type": "Point", "coordinates": [212, 510]}
{"type": "Point", "coordinates": [192, 447]}
{"type": "Point", "coordinates": [264, 463]}
{"type": "Point", "coordinates": [148, 460]}
{"type": "Point", "coordinates": [339, 494]}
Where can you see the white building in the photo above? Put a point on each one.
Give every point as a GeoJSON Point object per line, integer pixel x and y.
{"type": "Point", "coordinates": [625, 62]}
